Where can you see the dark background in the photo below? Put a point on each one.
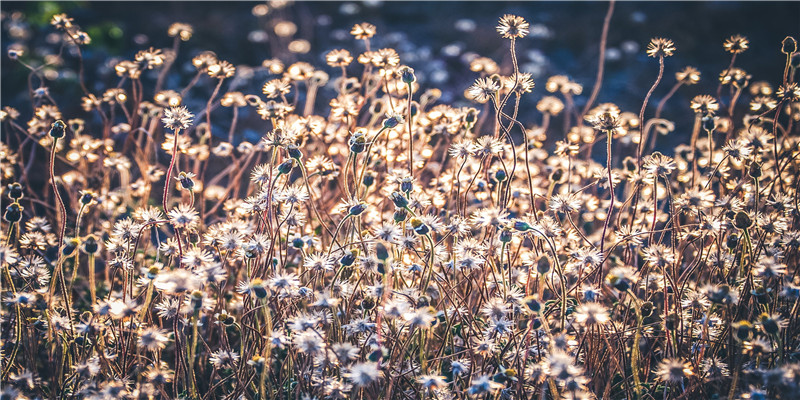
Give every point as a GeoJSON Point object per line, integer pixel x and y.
{"type": "Point", "coordinates": [564, 40]}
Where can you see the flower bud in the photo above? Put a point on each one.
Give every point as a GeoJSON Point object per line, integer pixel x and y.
{"type": "Point", "coordinates": [505, 235]}
{"type": "Point", "coordinates": [407, 75]}
{"type": "Point", "coordinates": [90, 245]}
{"type": "Point", "coordinates": [294, 152]}
{"type": "Point", "coordinates": [392, 120]}
{"type": "Point", "coordinates": [419, 227]}
{"type": "Point", "coordinates": [742, 220]}
{"type": "Point", "coordinates": [755, 170]}
{"type": "Point", "coordinates": [286, 166]}
{"type": "Point", "coordinates": [357, 209]}
{"type": "Point", "coordinates": [407, 185]}
{"type": "Point", "coordinates": [789, 45]}
{"type": "Point", "coordinates": [357, 143]}
{"type": "Point", "coordinates": [58, 129]}
{"type": "Point", "coordinates": [399, 200]}
{"type": "Point", "coordinates": [349, 258]}
{"type": "Point", "coordinates": [543, 265]}
{"type": "Point", "coordinates": [381, 252]}
{"type": "Point", "coordinates": [15, 191]}
{"type": "Point", "coordinates": [521, 226]}
{"type": "Point", "coordinates": [369, 179]}
{"type": "Point", "coordinates": [500, 175]}
{"type": "Point", "coordinates": [400, 215]}
{"type": "Point", "coordinates": [13, 213]}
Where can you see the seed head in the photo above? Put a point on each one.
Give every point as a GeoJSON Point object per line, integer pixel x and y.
{"type": "Point", "coordinates": [513, 27]}
{"type": "Point", "coordinates": [177, 118]}
{"type": "Point", "coordinates": [736, 44]}
{"type": "Point", "coordinates": [660, 47]}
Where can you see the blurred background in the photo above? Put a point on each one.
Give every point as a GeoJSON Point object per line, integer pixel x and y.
{"type": "Point", "coordinates": [437, 39]}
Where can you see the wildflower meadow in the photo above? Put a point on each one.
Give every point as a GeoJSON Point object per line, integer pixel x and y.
{"type": "Point", "coordinates": [179, 225]}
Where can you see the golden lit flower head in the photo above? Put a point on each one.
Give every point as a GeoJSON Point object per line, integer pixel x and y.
{"type": "Point", "coordinates": [221, 70]}
{"type": "Point", "coordinates": [184, 31]}
{"type": "Point", "coordinates": [233, 99]}
{"type": "Point", "coordinates": [563, 85]}
{"type": "Point", "coordinates": [204, 60]}
{"type": "Point", "coordinates": [168, 98]}
{"type": "Point", "coordinates": [736, 44]}
{"type": "Point", "coordinates": [150, 58]}
{"type": "Point", "coordinates": [513, 27]}
{"type": "Point", "coordinates": [61, 21]}
{"type": "Point", "coordinates": [704, 104]}
{"type": "Point", "coordinates": [688, 76]}
{"type": "Point", "coordinates": [483, 89]}
{"type": "Point", "coordinates": [363, 30]}
{"type": "Point", "coordinates": [483, 64]}
{"type": "Point", "coordinates": [550, 105]}
{"type": "Point", "coordinates": [176, 118]}
{"type": "Point", "coordinates": [660, 47]}
{"type": "Point", "coordinates": [338, 58]}
{"type": "Point", "coordinates": [605, 121]}
{"type": "Point", "coordinates": [736, 76]}
{"type": "Point", "coordinates": [789, 92]}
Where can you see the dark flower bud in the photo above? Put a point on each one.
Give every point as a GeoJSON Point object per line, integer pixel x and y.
{"type": "Point", "coordinates": [349, 258]}
{"type": "Point", "coordinates": [294, 152]}
{"type": "Point", "coordinates": [536, 323]}
{"type": "Point", "coordinates": [86, 197]}
{"type": "Point", "coordinates": [521, 226]}
{"type": "Point", "coordinates": [556, 175]}
{"type": "Point", "coordinates": [742, 220]}
{"type": "Point", "coordinates": [419, 227]}
{"type": "Point", "coordinates": [357, 209]}
{"type": "Point", "coordinates": [399, 200]}
{"type": "Point", "coordinates": [500, 175]}
{"type": "Point", "coordinates": [152, 272]}
{"type": "Point", "coordinates": [755, 170]}
{"type": "Point", "coordinates": [70, 246]}
{"type": "Point", "coordinates": [186, 180]}
{"type": "Point", "coordinates": [15, 191]}
{"type": "Point", "coordinates": [423, 301]}
{"type": "Point", "coordinates": [369, 179]}
{"type": "Point", "coordinates": [708, 123]}
{"type": "Point", "coordinates": [367, 304]}
{"type": "Point", "coordinates": [58, 129]}
{"type": "Point", "coordinates": [286, 166]}
{"type": "Point", "coordinates": [196, 299]}
{"type": "Point", "coordinates": [406, 185]}
{"type": "Point", "coordinates": [769, 324]}
{"type": "Point", "coordinates": [298, 243]}
{"type": "Point", "coordinates": [392, 120]}
{"type": "Point", "coordinates": [407, 75]}
{"type": "Point", "coordinates": [743, 330]}
{"type": "Point", "coordinates": [533, 304]}
{"type": "Point", "coordinates": [13, 213]}
{"type": "Point", "coordinates": [90, 245]}
{"type": "Point", "coordinates": [505, 235]}
{"type": "Point", "coordinates": [377, 354]}
{"type": "Point", "coordinates": [789, 45]}
{"type": "Point", "coordinates": [226, 319]}
{"type": "Point", "coordinates": [543, 265]}
{"type": "Point", "coordinates": [257, 288]}
{"type": "Point", "coordinates": [732, 241]}
{"type": "Point", "coordinates": [357, 143]}
{"type": "Point", "coordinates": [647, 309]}
{"type": "Point", "coordinates": [381, 252]}
{"type": "Point", "coordinates": [414, 109]}
{"type": "Point", "coordinates": [400, 215]}
{"type": "Point", "coordinates": [471, 116]}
